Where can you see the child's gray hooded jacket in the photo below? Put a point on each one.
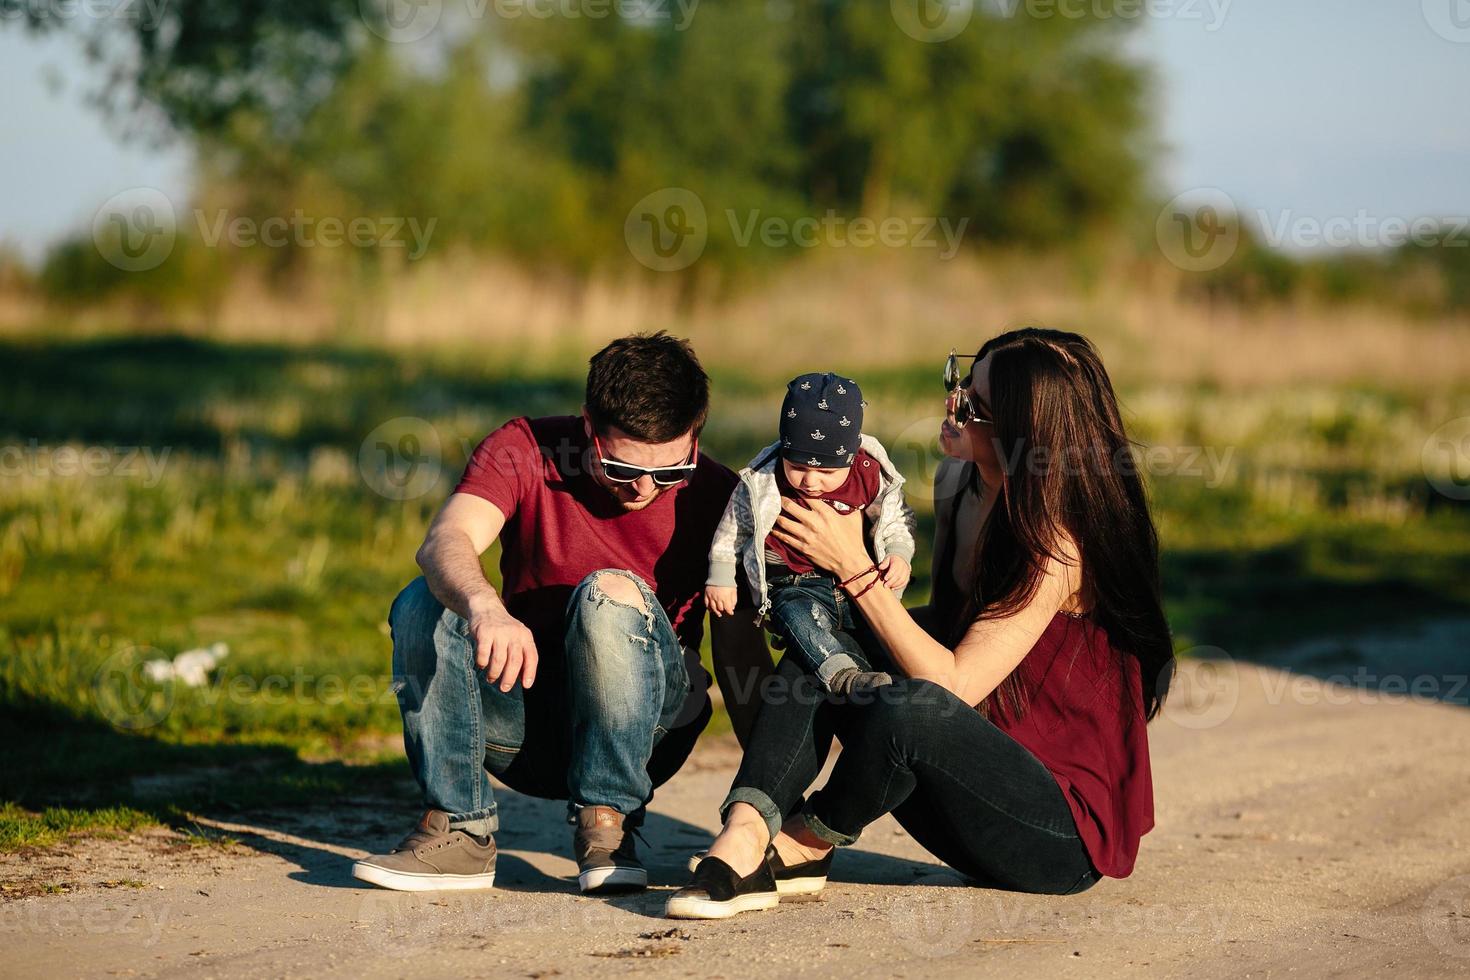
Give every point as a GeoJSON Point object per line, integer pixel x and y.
{"type": "Point", "coordinates": [740, 538]}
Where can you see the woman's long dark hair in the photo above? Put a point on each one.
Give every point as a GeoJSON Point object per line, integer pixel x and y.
{"type": "Point", "coordinates": [1068, 472]}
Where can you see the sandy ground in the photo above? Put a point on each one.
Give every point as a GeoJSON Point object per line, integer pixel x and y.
{"type": "Point", "coordinates": [1302, 829]}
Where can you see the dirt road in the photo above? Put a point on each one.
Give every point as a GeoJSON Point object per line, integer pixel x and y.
{"type": "Point", "coordinates": [1302, 829]}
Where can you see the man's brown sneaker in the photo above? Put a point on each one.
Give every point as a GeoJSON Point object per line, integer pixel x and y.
{"type": "Point", "coordinates": [606, 853]}
{"type": "Point", "coordinates": [432, 858]}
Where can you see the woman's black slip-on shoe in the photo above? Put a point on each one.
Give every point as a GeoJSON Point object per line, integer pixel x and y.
{"type": "Point", "coordinates": [717, 892]}
{"type": "Point", "coordinates": [807, 878]}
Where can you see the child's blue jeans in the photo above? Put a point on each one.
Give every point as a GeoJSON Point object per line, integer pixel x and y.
{"type": "Point", "coordinates": [806, 609]}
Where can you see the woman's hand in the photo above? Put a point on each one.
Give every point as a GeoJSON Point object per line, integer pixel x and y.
{"type": "Point", "coordinates": [828, 539]}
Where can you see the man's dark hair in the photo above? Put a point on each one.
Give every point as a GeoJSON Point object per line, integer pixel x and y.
{"type": "Point", "coordinates": [649, 385]}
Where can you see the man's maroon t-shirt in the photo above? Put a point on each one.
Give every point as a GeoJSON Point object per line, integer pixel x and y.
{"type": "Point", "coordinates": [562, 526]}
{"type": "Point", "coordinates": [857, 492]}
{"type": "Point", "coordinates": [1085, 723]}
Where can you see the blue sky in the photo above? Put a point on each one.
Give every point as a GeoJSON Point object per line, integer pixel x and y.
{"type": "Point", "coordinates": [1312, 108]}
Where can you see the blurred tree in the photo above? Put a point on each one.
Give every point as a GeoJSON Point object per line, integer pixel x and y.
{"type": "Point", "coordinates": [201, 61]}
{"type": "Point", "coordinates": [538, 133]}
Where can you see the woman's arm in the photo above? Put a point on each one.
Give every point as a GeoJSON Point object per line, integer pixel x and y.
{"type": "Point", "coordinates": [990, 650]}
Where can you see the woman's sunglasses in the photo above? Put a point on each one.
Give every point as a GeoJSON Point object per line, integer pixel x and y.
{"type": "Point", "coordinates": [664, 476]}
{"type": "Point", "coordinates": [961, 404]}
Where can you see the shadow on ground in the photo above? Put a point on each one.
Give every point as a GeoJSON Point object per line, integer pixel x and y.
{"type": "Point", "coordinates": [314, 813]}
{"type": "Point", "coordinates": [1295, 608]}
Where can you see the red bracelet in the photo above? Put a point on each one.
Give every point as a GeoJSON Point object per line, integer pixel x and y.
{"type": "Point", "coordinates": [876, 579]}
{"type": "Point", "coordinates": [846, 582]}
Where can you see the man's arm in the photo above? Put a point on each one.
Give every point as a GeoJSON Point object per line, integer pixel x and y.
{"type": "Point", "coordinates": [460, 533]}
{"type": "Point", "coordinates": [742, 662]}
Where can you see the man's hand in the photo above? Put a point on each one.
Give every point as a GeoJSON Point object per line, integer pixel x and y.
{"type": "Point", "coordinates": [895, 572]}
{"type": "Point", "coordinates": [504, 648]}
{"type": "Point", "coordinates": [721, 599]}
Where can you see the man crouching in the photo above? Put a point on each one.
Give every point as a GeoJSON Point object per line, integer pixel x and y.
{"type": "Point", "coordinates": [580, 679]}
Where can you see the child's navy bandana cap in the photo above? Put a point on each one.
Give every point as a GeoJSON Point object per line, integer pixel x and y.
{"type": "Point", "coordinates": [821, 420]}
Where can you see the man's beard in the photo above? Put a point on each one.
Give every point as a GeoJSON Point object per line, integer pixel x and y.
{"type": "Point", "coordinates": [631, 506]}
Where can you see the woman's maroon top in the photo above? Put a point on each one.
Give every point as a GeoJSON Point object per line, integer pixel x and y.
{"type": "Point", "coordinates": [1085, 723]}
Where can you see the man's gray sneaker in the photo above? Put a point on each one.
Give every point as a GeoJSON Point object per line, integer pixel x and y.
{"type": "Point", "coordinates": [432, 858]}
{"type": "Point", "coordinates": [606, 854]}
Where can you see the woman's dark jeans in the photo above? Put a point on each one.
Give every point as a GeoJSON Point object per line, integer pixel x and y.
{"type": "Point", "coordinates": [967, 792]}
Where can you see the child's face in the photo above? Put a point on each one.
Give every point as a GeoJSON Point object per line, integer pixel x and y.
{"type": "Point", "coordinates": [815, 480]}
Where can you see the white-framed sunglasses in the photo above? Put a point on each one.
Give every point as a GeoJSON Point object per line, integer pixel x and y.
{"type": "Point", "coordinates": [664, 476]}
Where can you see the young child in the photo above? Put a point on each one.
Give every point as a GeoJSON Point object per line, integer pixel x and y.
{"type": "Point", "coordinates": [821, 455]}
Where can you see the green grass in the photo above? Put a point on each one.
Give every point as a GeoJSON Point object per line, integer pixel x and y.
{"type": "Point", "coordinates": [22, 828]}
{"type": "Point", "coordinates": [263, 531]}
